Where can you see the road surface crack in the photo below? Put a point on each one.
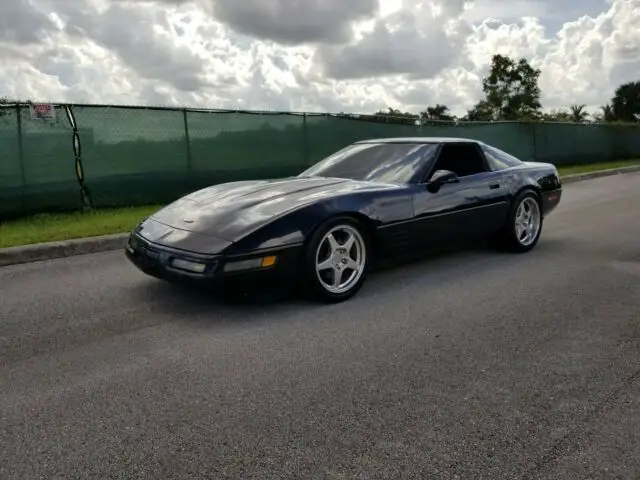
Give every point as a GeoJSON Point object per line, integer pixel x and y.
{"type": "Point", "coordinates": [574, 438]}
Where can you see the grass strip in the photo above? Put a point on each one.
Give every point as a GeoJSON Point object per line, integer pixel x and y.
{"type": "Point", "coordinates": [49, 227]}
{"type": "Point", "coordinates": [595, 167]}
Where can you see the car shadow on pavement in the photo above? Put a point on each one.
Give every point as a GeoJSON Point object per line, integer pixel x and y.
{"type": "Point", "coordinates": [187, 301]}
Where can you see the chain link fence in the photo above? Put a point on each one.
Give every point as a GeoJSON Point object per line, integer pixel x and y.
{"type": "Point", "coordinates": [100, 155]}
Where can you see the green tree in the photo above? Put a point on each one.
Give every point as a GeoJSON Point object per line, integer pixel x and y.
{"type": "Point", "coordinates": [557, 116]}
{"type": "Point", "coordinates": [605, 114]}
{"type": "Point", "coordinates": [578, 114]}
{"type": "Point", "coordinates": [393, 115]}
{"type": "Point", "coordinates": [481, 112]}
{"type": "Point", "coordinates": [394, 112]}
{"type": "Point", "coordinates": [626, 102]}
{"type": "Point", "coordinates": [511, 91]}
{"type": "Point", "coordinates": [4, 110]}
{"type": "Point", "coordinates": [437, 112]}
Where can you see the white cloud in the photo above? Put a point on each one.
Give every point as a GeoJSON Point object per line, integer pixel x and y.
{"type": "Point", "coordinates": [333, 55]}
{"type": "Point", "coordinates": [505, 11]}
{"type": "Point", "coordinates": [400, 43]}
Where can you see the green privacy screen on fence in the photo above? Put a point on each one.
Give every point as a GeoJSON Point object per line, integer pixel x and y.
{"type": "Point", "coordinates": [130, 155]}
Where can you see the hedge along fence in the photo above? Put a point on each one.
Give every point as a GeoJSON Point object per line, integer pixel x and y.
{"type": "Point", "coordinates": [109, 155]}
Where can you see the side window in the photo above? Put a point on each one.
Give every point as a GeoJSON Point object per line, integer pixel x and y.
{"type": "Point", "coordinates": [463, 159]}
{"type": "Point", "coordinates": [499, 160]}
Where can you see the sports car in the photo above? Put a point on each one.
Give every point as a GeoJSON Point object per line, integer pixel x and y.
{"type": "Point", "coordinates": [324, 228]}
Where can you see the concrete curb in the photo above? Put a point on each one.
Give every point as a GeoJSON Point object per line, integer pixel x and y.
{"type": "Point", "coordinates": [65, 248]}
{"type": "Point", "coordinates": [81, 246]}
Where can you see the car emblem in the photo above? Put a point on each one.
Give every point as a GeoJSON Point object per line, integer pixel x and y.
{"type": "Point", "coordinates": [187, 220]}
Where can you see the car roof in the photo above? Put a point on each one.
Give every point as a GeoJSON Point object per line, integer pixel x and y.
{"type": "Point", "coordinates": [419, 140]}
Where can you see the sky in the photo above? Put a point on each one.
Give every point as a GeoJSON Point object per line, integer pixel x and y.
{"type": "Point", "coordinates": [311, 55]}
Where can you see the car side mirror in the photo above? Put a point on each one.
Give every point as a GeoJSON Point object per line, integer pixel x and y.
{"type": "Point", "coordinates": [441, 177]}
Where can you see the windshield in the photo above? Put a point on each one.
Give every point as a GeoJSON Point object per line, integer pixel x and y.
{"type": "Point", "coordinates": [374, 162]}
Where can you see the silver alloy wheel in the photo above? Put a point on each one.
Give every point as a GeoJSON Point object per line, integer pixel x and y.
{"type": "Point", "coordinates": [527, 223]}
{"type": "Point", "coordinates": [342, 250]}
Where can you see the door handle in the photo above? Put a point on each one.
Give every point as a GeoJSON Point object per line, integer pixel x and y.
{"type": "Point", "coordinates": [493, 186]}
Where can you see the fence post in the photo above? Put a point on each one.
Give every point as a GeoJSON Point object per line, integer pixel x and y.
{"type": "Point", "coordinates": [188, 178]}
{"type": "Point", "coordinates": [305, 141]}
{"type": "Point", "coordinates": [23, 175]}
{"type": "Point", "coordinates": [186, 136]}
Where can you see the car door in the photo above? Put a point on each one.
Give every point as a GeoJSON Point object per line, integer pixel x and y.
{"type": "Point", "coordinates": [473, 207]}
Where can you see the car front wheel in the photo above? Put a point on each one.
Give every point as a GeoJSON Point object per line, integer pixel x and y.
{"type": "Point", "coordinates": [335, 261]}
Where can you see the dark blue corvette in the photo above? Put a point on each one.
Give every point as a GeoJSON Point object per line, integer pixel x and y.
{"type": "Point", "coordinates": [372, 200]}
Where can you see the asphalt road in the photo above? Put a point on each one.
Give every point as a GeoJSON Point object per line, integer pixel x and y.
{"type": "Point", "coordinates": [472, 364]}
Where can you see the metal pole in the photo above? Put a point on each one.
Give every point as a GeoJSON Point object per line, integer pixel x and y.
{"type": "Point", "coordinates": [305, 141]}
{"type": "Point", "coordinates": [23, 175]}
{"type": "Point", "coordinates": [186, 136]}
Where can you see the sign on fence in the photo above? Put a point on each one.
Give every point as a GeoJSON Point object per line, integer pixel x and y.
{"type": "Point", "coordinates": [42, 111]}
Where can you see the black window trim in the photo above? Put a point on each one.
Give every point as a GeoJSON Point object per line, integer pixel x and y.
{"type": "Point", "coordinates": [485, 162]}
{"type": "Point", "coordinates": [498, 169]}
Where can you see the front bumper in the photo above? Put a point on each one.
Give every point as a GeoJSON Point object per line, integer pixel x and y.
{"type": "Point", "coordinates": [550, 200]}
{"type": "Point", "coordinates": [158, 261]}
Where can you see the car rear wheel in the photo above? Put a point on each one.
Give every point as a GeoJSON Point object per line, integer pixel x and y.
{"type": "Point", "coordinates": [524, 224]}
{"type": "Point", "coordinates": [335, 260]}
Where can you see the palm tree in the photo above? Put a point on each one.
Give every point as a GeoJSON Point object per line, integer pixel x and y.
{"type": "Point", "coordinates": [578, 113]}
{"type": "Point", "coordinates": [439, 112]}
{"type": "Point", "coordinates": [607, 113]}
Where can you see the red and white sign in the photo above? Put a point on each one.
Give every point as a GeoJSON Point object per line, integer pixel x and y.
{"type": "Point", "coordinates": [43, 111]}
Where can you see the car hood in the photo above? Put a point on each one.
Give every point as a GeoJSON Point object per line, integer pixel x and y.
{"type": "Point", "coordinates": [231, 210]}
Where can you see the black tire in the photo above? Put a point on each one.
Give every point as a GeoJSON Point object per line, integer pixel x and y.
{"type": "Point", "coordinates": [311, 285]}
{"type": "Point", "coordinates": [507, 238]}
